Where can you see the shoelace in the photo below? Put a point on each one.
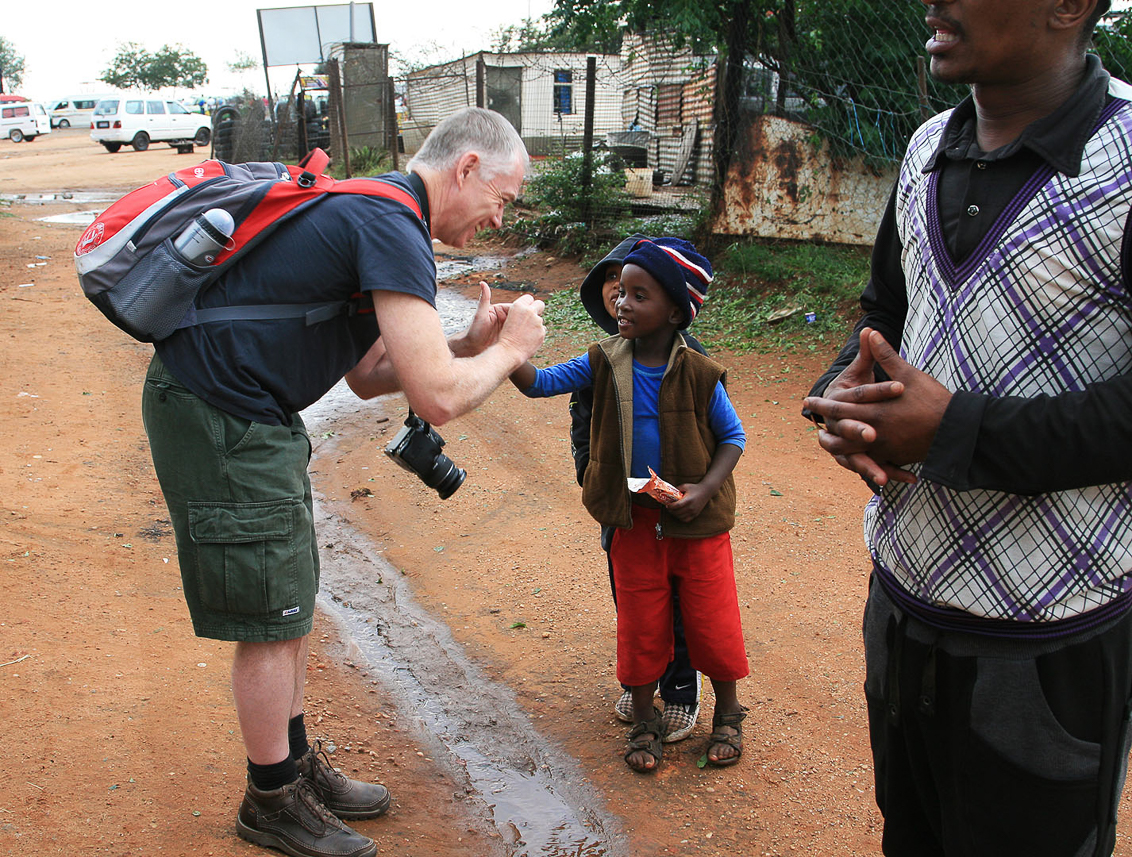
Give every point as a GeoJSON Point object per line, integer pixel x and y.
{"type": "Point", "coordinates": [320, 765]}
{"type": "Point", "coordinates": [308, 795]}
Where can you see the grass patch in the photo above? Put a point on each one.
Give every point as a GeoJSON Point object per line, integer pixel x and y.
{"type": "Point", "coordinates": [567, 322]}
{"type": "Point", "coordinates": [760, 300]}
{"type": "Point", "coordinates": [782, 297]}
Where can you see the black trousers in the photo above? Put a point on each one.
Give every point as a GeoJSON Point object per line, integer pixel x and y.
{"type": "Point", "coordinates": [984, 747]}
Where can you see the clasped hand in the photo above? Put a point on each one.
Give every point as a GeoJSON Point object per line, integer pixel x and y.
{"type": "Point", "coordinates": [874, 428]}
{"type": "Point", "coordinates": [525, 332]}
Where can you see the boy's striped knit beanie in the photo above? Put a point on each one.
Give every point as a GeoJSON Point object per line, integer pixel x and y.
{"type": "Point", "coordinates": [674, 263]}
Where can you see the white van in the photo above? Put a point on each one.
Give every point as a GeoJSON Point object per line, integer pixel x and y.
{"type": "Point", "coordinates": [23, 120]}
{"type": "Point", "coordinates": [139, 119]}
{"type": "Point", "coordinates": [73, 110]}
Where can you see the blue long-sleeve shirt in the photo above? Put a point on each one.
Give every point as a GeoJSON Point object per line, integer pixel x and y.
{"type": "Point", "coordinates": [577, 374]}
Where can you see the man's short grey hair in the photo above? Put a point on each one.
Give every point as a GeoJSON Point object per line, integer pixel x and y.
{"type": "Point", "coordinates": [472, 129]}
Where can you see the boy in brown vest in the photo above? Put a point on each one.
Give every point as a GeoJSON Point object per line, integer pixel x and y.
{"type": "Point", "coordinates": [680, 686]}
{"type": "Point", "coordinates": [659, 406]}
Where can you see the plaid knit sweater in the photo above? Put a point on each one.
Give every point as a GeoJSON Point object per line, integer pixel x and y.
{"type": "Point", "coordinates": [1040, 308]}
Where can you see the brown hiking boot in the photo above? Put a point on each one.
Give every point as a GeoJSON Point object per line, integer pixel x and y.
{"type": "Point", "coordinates": [344, 797]}
{"type": "Point", "coordinates": [293, 819]}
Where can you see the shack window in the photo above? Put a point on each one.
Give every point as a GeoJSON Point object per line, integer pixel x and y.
{"type": "Point", "coordinates": [563, 91]}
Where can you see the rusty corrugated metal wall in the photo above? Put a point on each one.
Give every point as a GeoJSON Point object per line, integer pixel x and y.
{"type": "Point", "coordinates": [780, 186]}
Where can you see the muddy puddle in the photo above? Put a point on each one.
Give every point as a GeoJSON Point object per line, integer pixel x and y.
{"type": "Point", "coordinates": [528, 789]}
{"type": "Point", "coordinates": [85, 217]}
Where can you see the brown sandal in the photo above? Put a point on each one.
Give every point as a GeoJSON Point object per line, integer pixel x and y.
{"type": "Point", "coordinates": [735, 721]}
{"type": "Point", "coordinates": [638, 741]}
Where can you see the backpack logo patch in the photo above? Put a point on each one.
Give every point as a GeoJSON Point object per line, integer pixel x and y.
{"type": "Point", "coordinates": [91, 238]}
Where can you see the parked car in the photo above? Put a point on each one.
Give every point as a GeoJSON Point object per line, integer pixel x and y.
{"type": "Point", "coordinates": [138, 120]}
{"type": "Point", "coordinates": [24, 120]}
{"type": "Point", "coordinates": [75, 110]}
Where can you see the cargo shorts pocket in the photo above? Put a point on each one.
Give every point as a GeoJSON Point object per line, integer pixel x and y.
{"type": "Point", "coordinates": [248, 560]}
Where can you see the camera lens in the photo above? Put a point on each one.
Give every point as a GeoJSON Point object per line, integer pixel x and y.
{"type": "Point", "coordinates": [445, 476]}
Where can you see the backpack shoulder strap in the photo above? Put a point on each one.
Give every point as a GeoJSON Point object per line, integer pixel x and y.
{"type": "Point", "coordinates": [379, 187]}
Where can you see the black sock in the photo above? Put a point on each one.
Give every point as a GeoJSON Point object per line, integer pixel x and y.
{"type": "Point", "coordinates": [270, 777]}
{"type": "Point", "coordinates": [297, 736]}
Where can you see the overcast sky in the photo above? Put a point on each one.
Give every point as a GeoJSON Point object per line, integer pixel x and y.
{"type": "Point", "coordinates": [67, 44]}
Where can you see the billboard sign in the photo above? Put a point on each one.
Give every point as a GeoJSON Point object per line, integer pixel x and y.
{"type": "Point", "coordinates": [305, 34]}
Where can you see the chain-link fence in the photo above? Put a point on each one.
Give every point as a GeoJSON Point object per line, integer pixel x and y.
{"type": "Point", "coordinates": [347, 108]}
{"type": "Point", "coordinates": [856, 71]}
{"type": "Point", "coordinates": [655, 129]}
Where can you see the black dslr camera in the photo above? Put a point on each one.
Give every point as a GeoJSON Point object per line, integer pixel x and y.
{"type": "Point", "coordinates": [417, 448]}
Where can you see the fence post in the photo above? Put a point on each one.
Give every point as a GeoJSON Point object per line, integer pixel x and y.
{"type": "Point", "coordinates": [481, 74]}
{"type": "Point", "coordinates": [588, 141]}
{"type": "Point", "coordinates": [301, 110]}
{"type": "Point", "coordinates": [338, 114]}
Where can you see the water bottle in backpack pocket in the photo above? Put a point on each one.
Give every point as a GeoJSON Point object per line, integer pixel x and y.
{"type": "Point", "coordinates": [155, 295]}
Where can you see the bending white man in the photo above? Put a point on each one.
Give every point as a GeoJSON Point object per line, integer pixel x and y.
{"type": "Point", "coordinates": [221, 405]}
{"type": "Point", "coordinates": [985, 395]}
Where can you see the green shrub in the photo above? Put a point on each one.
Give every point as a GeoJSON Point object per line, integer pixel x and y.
{"type": "Point", "coordinates": [364, 161]}
{"type": "Point", "coordinates": [557, 213]}
{"type": "Point", "coordinates": [783, 296]}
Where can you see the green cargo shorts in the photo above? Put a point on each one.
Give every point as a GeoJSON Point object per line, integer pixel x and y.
{"type": "Point", "coordinates": [239, 498]}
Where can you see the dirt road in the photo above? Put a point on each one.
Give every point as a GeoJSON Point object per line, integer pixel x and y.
{"type": "Point", "coordinates": [120, 736]}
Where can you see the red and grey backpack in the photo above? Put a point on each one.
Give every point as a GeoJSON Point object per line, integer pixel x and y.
{"type": "Point", "coordinates": [130, 270]}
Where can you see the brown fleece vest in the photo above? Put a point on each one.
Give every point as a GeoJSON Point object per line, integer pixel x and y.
{"type": "Point", "coordinates": [687, 443]}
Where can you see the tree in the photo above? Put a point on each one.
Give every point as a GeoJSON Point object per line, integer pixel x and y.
{"type": "Point", "coordinates": [591, 23]}
{"type": "Point", "coordinates": [176, 66]}
{"type": "Point", "coordinates": [134, 67]}
{"type": "Point", "coordinates": [11, 67]}
{"type": "Point", "coordinates": [243, 62]}
{"type": "Point", "coordinates": [127, 69]}
{"type": "Point", "coordinates": [530, 35]}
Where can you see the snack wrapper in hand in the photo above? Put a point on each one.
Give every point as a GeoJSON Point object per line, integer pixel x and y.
{"type": "Point", "coordinates": [656, 488]}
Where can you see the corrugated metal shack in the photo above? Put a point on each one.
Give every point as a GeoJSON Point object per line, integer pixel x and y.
{"type": "Point", "coordinates": [542, 94]}
{"type": "Point", "coordinates": [669, 94]}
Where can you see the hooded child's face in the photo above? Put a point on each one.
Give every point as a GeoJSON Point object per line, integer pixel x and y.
{"type": "Point", "coordinates": [611, 287]}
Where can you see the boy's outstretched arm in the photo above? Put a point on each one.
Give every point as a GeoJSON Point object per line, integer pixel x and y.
{"type": "Point", "coordinates": [524, 376]}
{"type": "Point", "coordinates": [697, 494]}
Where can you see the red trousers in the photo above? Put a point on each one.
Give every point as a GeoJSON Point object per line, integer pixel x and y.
{"type": "Point", "coordinates": [645, 571]}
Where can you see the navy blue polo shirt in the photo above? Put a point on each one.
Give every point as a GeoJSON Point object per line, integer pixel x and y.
{"type": "Point", "coordinates": [266, 370]}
